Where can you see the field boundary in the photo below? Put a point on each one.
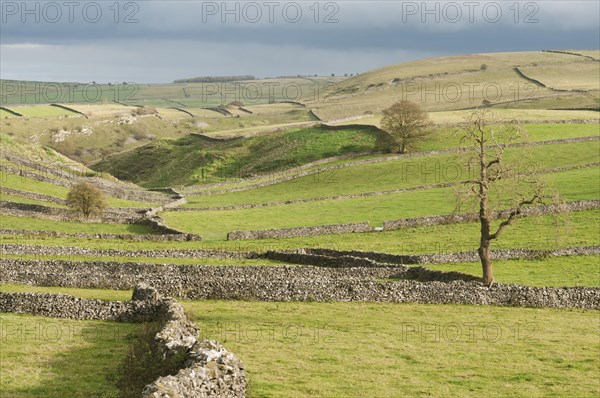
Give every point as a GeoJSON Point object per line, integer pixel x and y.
{"type": "Point", "coordinates": [294, 283]}
{"type": "Point", "coordinates": [210, 370]}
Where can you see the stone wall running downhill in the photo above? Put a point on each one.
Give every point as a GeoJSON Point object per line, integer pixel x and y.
{"type": "Point", "coordinates": [300, 231]}
{"type": "Point", "coordinates": [368, 281]}
{"type": "Point", "coordinates": [209, 369]}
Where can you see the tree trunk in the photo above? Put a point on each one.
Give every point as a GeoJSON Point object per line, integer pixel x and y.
{"type": "Point", "coordinates": [486, 262]}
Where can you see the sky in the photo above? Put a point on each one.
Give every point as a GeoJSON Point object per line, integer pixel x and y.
{"type": "Point", "coordinates": [160, 41]}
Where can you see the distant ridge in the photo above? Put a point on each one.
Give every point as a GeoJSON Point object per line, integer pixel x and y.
{"type": "Point", "coordinates": [214, 79]}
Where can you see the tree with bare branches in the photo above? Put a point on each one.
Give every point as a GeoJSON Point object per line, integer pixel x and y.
{"type": "Point", "coordinates": [495, 181]}
{"type": "Point", "coordinates": [406, 122]}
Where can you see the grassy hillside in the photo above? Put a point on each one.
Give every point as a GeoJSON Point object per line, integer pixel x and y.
{"type": "Point", "coordinates": [459, 82]}
{"type": "Point", "coordinates": [194, 159]}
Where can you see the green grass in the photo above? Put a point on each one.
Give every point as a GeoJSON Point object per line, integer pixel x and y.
{"type": "Point", "coordinates": [31, 223]}
{"type": "Point", "coordinates": [20, 199]}
{"type": "Point", "coordinates": [29, 184]}
{"type": "Point", "coordinates": [192, 160]}
{"type": "Point", "coordinates": [543, 233]}
{"type": "Point", "coordinates": [405, 349]}
{"type": "Point", "coordinates": [403, 173]}
{"type": "Point", "coordinates": [41, 111]}
{"type": "Point", "coordinates": [214, 224]}
{"type": "Point", "coordinates": [56, 358]}
{"type": "Point", "coordinates": [321, 351]}
{"type": "Point", "coordinates": [550, 271]}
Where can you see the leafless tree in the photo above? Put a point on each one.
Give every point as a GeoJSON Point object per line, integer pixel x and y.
{"type": "Point", "coordinates": [493, 181]}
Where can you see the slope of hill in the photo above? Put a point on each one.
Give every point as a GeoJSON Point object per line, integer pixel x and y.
{"type": "Point", "coordinates": [459, 82]}
{"type": "Point", "coordinates": [198, 159]}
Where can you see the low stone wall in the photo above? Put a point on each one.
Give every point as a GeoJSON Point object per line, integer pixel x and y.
{"type": "Point", "coordinates": [289, 175]}
{"type": "Point", "coordinates": [135, 237]}
{"type": "Point", "coordinates": [292, 283]}
{"type": "Point", "coordinates": [18, 249]}
{"type": "Point", "coordinates": [64, 306]}
{"type": "Point", "coordinates": [472, 217]}
{"type": "Point", "coordinates": [33, 195]}
{"type": "Point", "coordinates": [109, 188]}
{"type": "Point", "coordinates": [110, 216]}
{"type": "Point", "coordinates": [210, 370]}
{"type": "Point", "coordinates": [336, 258]}
{"type": "Point", "coordinates": [300, 231]}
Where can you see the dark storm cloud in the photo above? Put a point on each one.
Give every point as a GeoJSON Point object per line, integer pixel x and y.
{"type": "Point", "coordinates": [150, 39]}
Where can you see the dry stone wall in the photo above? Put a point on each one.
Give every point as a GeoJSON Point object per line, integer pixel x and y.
{"type": "Point", "coordinates": [289, 175]}
{"type": "Point", "coordinates": [209, 370]}
{"type": "Point", "coordinates": [300, 231]}
{"type": "Point", "coordinates": [111, 216]}
{"type": "Point", "coordinates": [134, 237]}
{"type": "Point", "coordinates": [472, 217]}
{"type": "Point", "coordinates": [293, 283]}
{"type": "Point", "coordinates": [32, 195]}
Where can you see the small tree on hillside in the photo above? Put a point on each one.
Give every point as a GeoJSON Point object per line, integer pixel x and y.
{"type": "Point", "coordinates": [86, 199]}
{"type": "Point", "coordinates": [494, 183]}
{"type": "Point", "coordinates": [406, 123]}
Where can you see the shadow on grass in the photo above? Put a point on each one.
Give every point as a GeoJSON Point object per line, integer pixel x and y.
{"type": "Point", "coordinates": [80, 371]}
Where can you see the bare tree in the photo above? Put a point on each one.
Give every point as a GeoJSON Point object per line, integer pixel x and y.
{"type": "Point", "coordinates": [86, 198]}
{"type": "Point", "coordinates": [495, 181]}
{"type": "Point", "coordinates": [406, 123]}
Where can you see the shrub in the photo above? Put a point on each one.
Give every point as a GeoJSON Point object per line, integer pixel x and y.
{"type": "Point", "coordinates": [144, 362]}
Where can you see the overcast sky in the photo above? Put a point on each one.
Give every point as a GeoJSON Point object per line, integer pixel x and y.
{"type": "Point", "coordinates": [159, 41]}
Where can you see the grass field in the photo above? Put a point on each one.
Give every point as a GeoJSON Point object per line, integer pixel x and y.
{"type": "Point", "coordinates": [324, 349]}
{"type": "Point", "coordinates": [403, 173]}
{"type": "Point", "coordinates": [537, 352]}
{"type": "Point", "coordinates": [29, 184]}
{"type": "Point", "coordinates": [20, 199]}
{"type": "Point", "coordinates": [543, 233]}
{"type": "Point", "coordinates": [46, 357]}
{"type": "Point", "coordinates": [30, 223]}
{"type": "Point", "coordinates": [41, 111]}
{"type": "Point", "coordinates": [559, 76]}
{"type": "Point", "coordinates": [192, 159]}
